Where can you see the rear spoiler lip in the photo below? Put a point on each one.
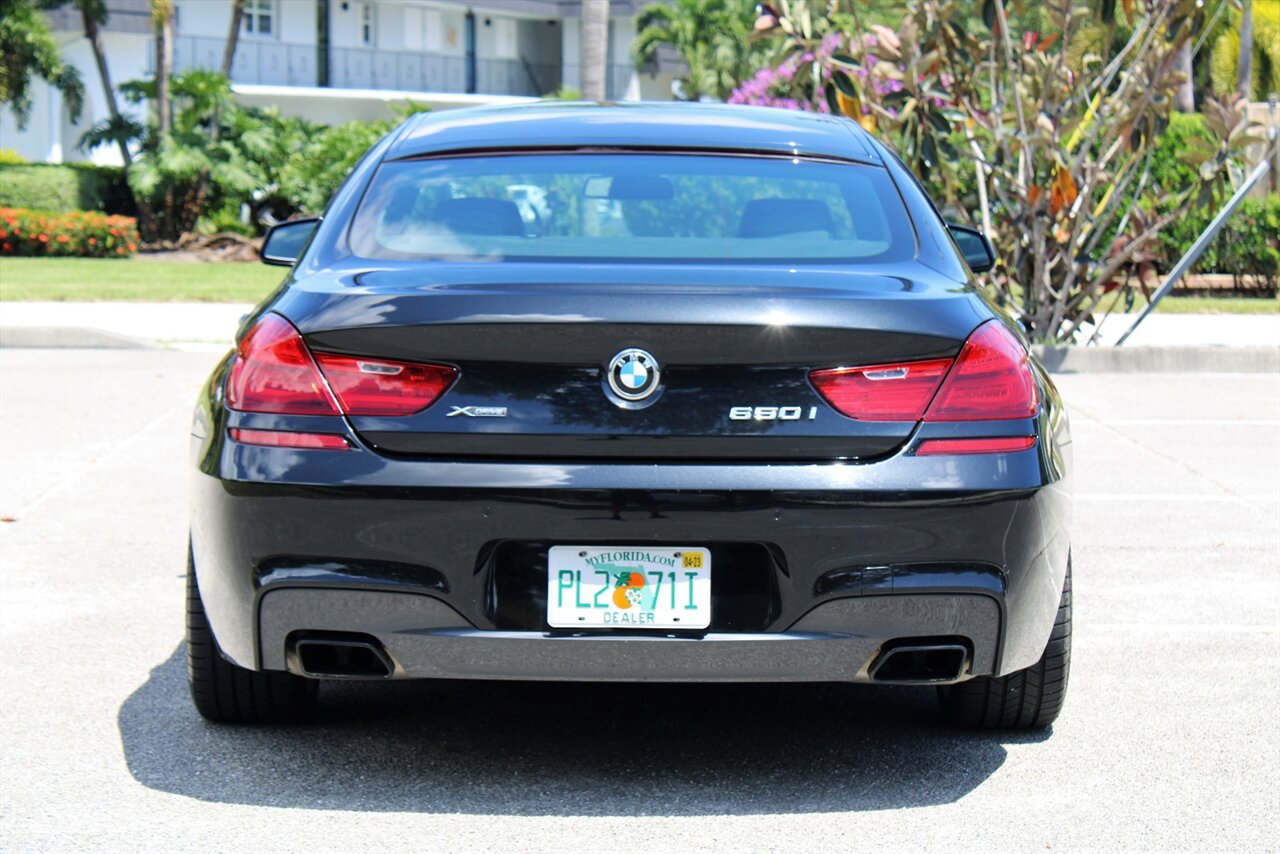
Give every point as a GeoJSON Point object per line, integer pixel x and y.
{"type": "Point", "coordinates": [780, 152]}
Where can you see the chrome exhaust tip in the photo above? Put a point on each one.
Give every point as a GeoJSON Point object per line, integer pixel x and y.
{"type": "Point", "coordinates": [345, 657]}
{"type": "Point", "coordinates": [921, 664]}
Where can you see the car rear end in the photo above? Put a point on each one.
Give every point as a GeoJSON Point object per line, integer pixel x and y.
{"type": "Point", "coordinates": [501, 460]}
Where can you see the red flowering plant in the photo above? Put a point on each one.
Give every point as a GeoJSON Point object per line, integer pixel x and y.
{"type": "Point", "coordinates": [79, 234]}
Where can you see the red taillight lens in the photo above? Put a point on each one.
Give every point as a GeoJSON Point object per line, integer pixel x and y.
{"type": "Point", "coordinates": [882, 392]}
{"type": "Point", "coordinates": [274, 372]}
{"type": "Point", "coordinates": [991, 380]}
{"type": "Point", "coordinates": [290, 439]}
{"type": "Point", "coordinates": [379, 387]}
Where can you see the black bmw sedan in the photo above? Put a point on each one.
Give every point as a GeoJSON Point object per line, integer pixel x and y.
{"type": "Point", "coordinates": [630, 392]}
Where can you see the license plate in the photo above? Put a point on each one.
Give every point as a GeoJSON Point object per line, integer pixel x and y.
{"type": "Point", "coordinates": [628, 587]}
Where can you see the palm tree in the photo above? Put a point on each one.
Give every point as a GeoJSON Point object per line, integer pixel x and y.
{"type": "Point", "coordinates": [94, 14]}
{"type": "Point", "coordinates": [1246, 54]}
{"type": "Point", "coordinates": [595, 47]}
{"type": "Point", "coordinates": [28, 49]}
{"type": "Point", "coordinates": [1184, 100]}
{"type": "Point", "coordinates": [1244, 67]}
{"type": "Point", "coordinates": [162, 20]}
{"type": "Point", "coordinates": [710, 35]}
{"type": "Point", "coordinates": [233, 38]}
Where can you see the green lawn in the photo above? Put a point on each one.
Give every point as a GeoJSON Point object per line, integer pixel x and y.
{"type": "Point", "coordinates": [1215, 305]}
{"type": "Point", "coordinates": [143, 280]}
{"type": "Point", "coordinates": [134, 280]}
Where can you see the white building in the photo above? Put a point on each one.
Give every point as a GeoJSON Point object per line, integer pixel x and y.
{"type": "Point", "coordinates": [337, 60]}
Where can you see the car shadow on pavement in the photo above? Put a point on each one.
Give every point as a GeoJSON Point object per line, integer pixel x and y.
{"type": "Point", "coordinates": [566, 749]}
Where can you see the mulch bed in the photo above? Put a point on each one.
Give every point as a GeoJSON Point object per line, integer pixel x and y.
{"type": "Point", "coordinates": [223, 246]}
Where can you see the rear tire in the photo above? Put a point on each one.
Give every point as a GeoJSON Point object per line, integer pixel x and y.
{"type": "Point", "coordinates": [1025, 699]}
{"type": "Point", "coordinates": [227, 693]}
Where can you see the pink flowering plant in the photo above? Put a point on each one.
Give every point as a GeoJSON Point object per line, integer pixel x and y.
{"type": "Point", "coordinates": [779, 87]}
{"type": "Point", "coordinates": [1043, 139]}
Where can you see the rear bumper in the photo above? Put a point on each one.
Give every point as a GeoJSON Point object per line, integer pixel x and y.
{"type": "Point", "coordinates": [856, 557]}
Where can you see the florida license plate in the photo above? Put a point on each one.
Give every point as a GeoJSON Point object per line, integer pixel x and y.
{"type": "Point", "coordinates": [628, 587]}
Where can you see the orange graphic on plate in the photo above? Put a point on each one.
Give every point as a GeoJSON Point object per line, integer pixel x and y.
{"type": "Point", "coordinates": [627, 591]}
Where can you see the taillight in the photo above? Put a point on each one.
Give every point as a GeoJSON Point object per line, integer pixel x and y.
{"type": "Point", "coordinates": [882, 392]}
{"type": "Point", "coordinates": [275, 372]}
{"type": "Point", "coordinates": [989, 381]}
{"type": "Point", "coordinates": [380, 387]}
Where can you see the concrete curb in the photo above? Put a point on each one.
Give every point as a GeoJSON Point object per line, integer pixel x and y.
{"type": "Point", "coordinates": [1152, 360]}
{"type": "Point", "coordinates": [70, 337]}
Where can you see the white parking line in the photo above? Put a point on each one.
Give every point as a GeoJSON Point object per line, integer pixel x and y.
{"type": "Point", "coordinates": [1193, 422]}
{"type": "Point", "coordinates": [1136, 496]}
{"type": "Point", "coordinates": [1221, 628]}
{"type": "Point", "coordinates": [1176, 422]}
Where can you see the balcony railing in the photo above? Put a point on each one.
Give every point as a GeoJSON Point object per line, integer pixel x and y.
{"type": "Point", "coordinates": [277, 63]}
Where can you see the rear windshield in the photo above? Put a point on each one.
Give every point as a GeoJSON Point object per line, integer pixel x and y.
{"type": "Point", "coordinates": [624, 207]}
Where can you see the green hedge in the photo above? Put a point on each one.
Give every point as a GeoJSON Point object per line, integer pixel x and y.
{"type": "Point", "coordinates": [65, 187]}
{"type": "Point", "coordinates": [1247, 248]}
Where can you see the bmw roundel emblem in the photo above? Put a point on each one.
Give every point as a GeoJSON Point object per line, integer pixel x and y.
{"type": "Point", "coordinates": [633, 374]}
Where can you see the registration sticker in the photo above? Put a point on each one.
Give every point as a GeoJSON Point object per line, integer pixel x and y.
{"type": "Point", "coordinates": [628, 587]}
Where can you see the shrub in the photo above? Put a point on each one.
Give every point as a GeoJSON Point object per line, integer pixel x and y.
{"type": "Point", "coordinates": [1249, 245]}
{"type": "Point", "coordinates": [197, 180]}
{"type": "Point", "coordinates": [1176, 238]}
{"type": "Point", "coordinates": [75, 234]}
{"type": "Point", "coordinates": [1170, 171]}
{"type": "Point", "coordinates": [315, 170]}
{"type": "Point", "coordinates": [64, 187]}
{"type": "Point", "coordinates": [1247, 248]}
{"type": "Point", "coordinates": [9, 157]}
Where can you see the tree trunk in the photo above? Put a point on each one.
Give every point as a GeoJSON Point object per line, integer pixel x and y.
{"type": "Point", "coordinates": [92, 32]}
{"type": "Point", "coordinates": [233, 37]}
{"type": "Point", "coordinates": [1184, 100]}
{"type": "Point", "coordinates": [162, 17]}
{"type": "Point", "coordinates": [1244, 70]}
{"type": "Point", "coordinates": [594, 48]}
{"type": "Point", "coordinates": [94, 35]}
{"type": "Point", "coordinates": [215, 125]}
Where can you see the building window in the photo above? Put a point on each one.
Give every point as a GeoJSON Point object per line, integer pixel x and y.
{"type": "Point", "coordinates": [259, 17]}
{"type": "Point", "coordinates": [368, 31]}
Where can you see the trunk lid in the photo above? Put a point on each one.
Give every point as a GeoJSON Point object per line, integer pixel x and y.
{"type": "Point", "coordinates": [734, 347]}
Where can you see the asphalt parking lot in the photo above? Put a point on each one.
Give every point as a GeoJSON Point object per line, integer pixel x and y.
{"type": "Point", "coordinates": [1169, 740]}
